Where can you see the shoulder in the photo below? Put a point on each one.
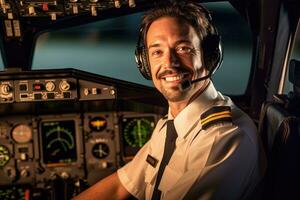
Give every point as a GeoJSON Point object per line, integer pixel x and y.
{"type": "Point", "coordinates": [216, 116]}
{"type": "Point", "coordinates": [233, 136]}
{"type": "Point", "coordinates": [229, 120]}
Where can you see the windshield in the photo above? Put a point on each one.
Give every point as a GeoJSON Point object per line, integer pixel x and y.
{"type": "Point", "coordinates": [107, 48]}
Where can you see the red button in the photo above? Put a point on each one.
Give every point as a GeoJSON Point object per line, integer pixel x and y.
{"type": "Point", "coordinates": [37, 87]}
{"type": "Point", "coordinates": [45, 7]}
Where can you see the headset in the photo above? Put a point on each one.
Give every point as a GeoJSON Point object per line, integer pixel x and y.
{"type": "Point", "coordinates": [210, 45]}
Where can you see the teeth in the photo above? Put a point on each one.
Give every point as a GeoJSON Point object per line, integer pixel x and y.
{"type": "Point", "coordinates": [174, 78]}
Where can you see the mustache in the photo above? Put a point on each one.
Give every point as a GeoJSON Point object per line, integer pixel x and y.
{"type": "Point", "coordinates": [172, 71]}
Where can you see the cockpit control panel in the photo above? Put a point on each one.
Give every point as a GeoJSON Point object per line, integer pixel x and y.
{"type": "Point", "coordinates": [68, 128]}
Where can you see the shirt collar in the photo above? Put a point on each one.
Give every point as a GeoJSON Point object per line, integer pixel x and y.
{"type": "Point", "coordinates": [190, 114]}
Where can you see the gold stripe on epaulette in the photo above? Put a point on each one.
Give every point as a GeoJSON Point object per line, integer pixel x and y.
{"type": "Point", "coordinates": [216, 114]}
{"type": "Point", "coordinates": [214, 118]}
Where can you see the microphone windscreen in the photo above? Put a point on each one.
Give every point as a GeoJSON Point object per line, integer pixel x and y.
{"type": "Point", "coordinates": [185, 85]}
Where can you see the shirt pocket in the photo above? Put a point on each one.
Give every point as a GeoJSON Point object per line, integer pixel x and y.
{"type": "Point", "coordinates": [169, 179]}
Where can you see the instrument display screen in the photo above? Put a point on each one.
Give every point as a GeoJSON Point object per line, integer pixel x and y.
{"type": "Point", "coordinates": [59, 141]}
{"type": "Point", "coordinates": [136, 132]}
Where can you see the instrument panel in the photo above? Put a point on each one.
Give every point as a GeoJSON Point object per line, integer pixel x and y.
{"type": "Point", "coordinates": [36, 147]}
{"type": "Point", "coordinates": [16, 14]}
{"type": "Point", "coordinates": [73, 142]}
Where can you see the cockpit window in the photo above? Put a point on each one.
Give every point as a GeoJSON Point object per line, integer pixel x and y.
{"type": "Point", "coordinates": [107, 48]}
{"type": "Point", "coordinates": [295, 54]}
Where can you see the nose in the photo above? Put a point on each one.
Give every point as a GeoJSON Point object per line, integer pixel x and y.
{"type": "Point", "coordinates": [171, 59]}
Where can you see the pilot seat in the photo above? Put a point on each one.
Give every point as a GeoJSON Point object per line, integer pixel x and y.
{"type": "Point", "coordinates": [279, 129]}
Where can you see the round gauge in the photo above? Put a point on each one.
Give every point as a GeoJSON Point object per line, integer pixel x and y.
{"type": "Point", "coordinates": [4, 156]}
{"type": "Point", "coordinates": [22, 133]}
{"type": "Point", "coordinates": [4, 128]}
{"type": "Point", "coordinates": [97, 124]}
{"type": "Point", "coordinates": [59, 141]}
{"type": "Point", "coordinates": [100, 150]}
{"type": "Point", "coordinates": [137, 131]}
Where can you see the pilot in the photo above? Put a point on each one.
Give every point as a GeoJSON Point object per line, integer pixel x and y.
{"type": "Point", "coordinates": [205, 147]}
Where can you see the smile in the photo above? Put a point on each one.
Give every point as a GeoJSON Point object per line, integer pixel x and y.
{"type": "Point", "coordinates": [174, 78]}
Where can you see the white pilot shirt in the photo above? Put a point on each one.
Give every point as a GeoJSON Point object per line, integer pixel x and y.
{"type": "Point", "coordinates": [218, 162]}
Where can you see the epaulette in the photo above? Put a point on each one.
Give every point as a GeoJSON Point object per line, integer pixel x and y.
{"type": "Point", "coordinates": [216, 115]}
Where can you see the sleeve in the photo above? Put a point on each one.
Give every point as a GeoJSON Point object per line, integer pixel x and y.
{"type": "Point", "coordinates": [231, 168]}
{"type": "Point", "coordinates": [132, 175]}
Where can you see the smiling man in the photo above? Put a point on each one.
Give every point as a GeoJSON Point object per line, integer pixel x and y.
{"type": "Point", "coordinates": [174, 56]}
{"type": "Point", "coordinates": [206, 147]}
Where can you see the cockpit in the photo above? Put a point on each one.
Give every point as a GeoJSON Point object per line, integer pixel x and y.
{"type": "Point", "coordinates": [73, 106]}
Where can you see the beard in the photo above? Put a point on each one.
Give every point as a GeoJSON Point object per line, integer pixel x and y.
{"type": "Point", "coordinates": [174, 94]}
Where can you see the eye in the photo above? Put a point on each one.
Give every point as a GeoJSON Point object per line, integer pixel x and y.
{"type": "Point", "coordinates": [184, 50]}
{"type": "Point", "coordinates": [156, 53]}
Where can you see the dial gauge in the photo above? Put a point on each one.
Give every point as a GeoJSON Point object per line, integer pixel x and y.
{"type": "Point", "coordinates": [100, 150]}
{"type": "Point", "coordinates": [59, 141]}
{"type": "Point", "coordinates": [4, 155]}
{"type": "Point", "coordinates": [137, 131]}
{"type": "Point", "coordinates": [22, 133]}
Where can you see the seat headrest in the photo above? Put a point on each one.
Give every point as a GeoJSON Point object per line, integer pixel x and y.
{"type": "Point", "coordinates": [294, 72]}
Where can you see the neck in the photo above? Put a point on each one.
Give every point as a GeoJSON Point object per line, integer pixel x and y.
{"type": "Point", "coordinates": [178, 106]}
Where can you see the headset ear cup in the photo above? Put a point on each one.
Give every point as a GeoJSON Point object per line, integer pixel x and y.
{"type": "Point", "coordinates": [146, 65]}
{"type": "Point", "coordinates": [212, 52]}
{"type": "Point", "coordinates": [142, 62]}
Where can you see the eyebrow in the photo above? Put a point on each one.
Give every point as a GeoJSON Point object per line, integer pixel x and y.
{"type": "Point", "coordinates": [154, 45]}
{"type": "Point", "coordinates": [176, 43]}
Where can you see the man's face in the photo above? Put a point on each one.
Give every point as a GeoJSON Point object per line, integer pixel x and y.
{"type": "Point", "coordinates": [174, 56]}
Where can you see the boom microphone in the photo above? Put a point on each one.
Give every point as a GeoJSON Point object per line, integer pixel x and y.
{"type": "Point", "coordinates": [187, 83]}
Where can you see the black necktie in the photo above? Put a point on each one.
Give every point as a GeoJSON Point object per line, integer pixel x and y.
{"type": "Point", "coordinates": [168, 151]}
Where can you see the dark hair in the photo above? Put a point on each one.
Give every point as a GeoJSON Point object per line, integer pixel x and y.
{"type": "Point", "coordinates": [197, 16]}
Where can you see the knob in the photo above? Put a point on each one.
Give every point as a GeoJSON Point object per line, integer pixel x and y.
{"type": "Point", "coordinates": [75, 9]}
{"type": "Point", "coordinates": [93, 10]}
{"type": "Point", "coordinates": [112, 92]}
{"type": "Point", "coordinates": [5, 89]}
{"type": "Point", "coordinates": [53, 16]}
{"type": "Point", "coordinates": [31, 10]}
{"type": "Point", "coordinates": [104, 165]}
{"type": "Point", "coordinates": [64, 85]}
{"type": "Point", "coordinates": [64, 175]}
{"type": "Point", "coordinates": [24, 173]}
{"type": "Point", "coordinates": [86, 91]}
{"type": "Point", "coordinates": [117, 4]}
{"type": "Point", "coordinates": [131, 3]}
{"type": "Point", "coordinates": [23, 156]}
{"type": "Point", "coordinates": [50, 86]}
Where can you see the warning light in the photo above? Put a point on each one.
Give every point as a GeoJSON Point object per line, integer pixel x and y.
{"type": "Point", "coordinates": [37, 87]}
{"type": "Point", "coordinates": [97, 124]}
{"type": "Point", "coordinates": [45, 7]}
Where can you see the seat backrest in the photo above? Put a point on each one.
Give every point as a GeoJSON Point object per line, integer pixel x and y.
{"type": "Point", "coordinates": [279, 129]}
